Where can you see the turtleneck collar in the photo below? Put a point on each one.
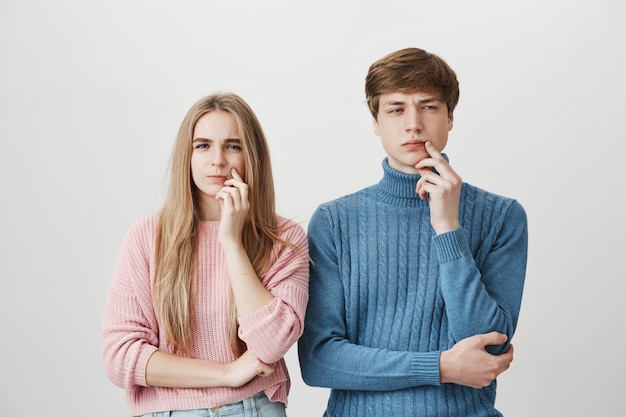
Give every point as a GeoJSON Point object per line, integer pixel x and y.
{"type": "Point", "coordinates": [398, 189]}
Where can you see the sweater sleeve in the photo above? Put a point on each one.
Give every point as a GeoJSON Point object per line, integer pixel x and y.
{"type": "Point", "coordinates": [129, 329]}
{"type": "Point", "coordinates": [327, 357]}
{"type": "Point", "coordinates": [273, 329]}
{"type": "Point", "coordinates": [484, 293]}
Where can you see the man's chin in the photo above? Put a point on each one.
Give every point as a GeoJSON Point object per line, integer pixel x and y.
{"type": "Point", "coordinates": [407, 167]}
{"type": "Point", "coordinates": [414, 159]}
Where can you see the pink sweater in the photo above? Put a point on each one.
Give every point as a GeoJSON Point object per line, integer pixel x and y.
{"type": "Point", "coordinates": [130, 332]}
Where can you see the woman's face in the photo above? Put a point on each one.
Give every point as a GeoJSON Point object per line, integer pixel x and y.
{"type": "Point", "coordinates": [216, 150]}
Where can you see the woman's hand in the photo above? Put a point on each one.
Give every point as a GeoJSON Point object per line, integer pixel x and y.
{"type": "Point", "coordinates": [233, 198]}
{"type": "Point", "coordinates": [244, 369]}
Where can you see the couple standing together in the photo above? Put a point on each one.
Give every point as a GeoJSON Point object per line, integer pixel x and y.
{"type": "Point", "coordinates": [402, 297]}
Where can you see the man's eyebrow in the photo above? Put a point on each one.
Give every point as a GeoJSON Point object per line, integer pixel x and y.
{"type": "Point", "coordinates": [394, 103]}
{"type": "Point", "coordinates": [403, 102]}
{"type": "Point", "coordinates": [430, 99]}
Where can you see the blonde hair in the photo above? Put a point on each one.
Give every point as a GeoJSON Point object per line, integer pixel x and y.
{"type": "Point", "coordinates": [180, 215]}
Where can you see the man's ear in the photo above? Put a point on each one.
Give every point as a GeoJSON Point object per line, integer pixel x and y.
{"type": "Point", "coordinates": [375, 126]}
{"type": "Point", "coordinates": [450, 121]}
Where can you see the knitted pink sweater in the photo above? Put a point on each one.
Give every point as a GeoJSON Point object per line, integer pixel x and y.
{"type": "Point", "coordinates": [130, 332]}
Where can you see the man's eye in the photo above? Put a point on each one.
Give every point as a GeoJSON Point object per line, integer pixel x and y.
{"type": "Point", "coordinates": [395, 110]}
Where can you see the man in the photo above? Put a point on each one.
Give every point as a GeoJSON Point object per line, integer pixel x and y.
{"type": "Point", "coordinates": [416, 282]}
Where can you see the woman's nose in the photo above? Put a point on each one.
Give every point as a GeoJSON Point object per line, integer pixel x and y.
{"type": "Point", "coordinates": [218, 159]}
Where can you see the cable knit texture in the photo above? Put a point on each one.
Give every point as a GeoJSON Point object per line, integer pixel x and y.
{"type": "Point", "coordinates": [131, 334]}
{"type": "Point", "coordinates": [387, 295]}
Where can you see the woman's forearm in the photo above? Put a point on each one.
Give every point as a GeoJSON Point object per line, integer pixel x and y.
{"type": "Point", "coordinates": [249, 293]}
{"type": "Point", "coordinates": [166, 370]}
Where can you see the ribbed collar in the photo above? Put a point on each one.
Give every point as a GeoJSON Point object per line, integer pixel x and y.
{"type": "Point", "coordinates": [398, 189]}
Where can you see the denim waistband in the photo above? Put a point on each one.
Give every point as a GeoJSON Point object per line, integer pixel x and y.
{"type": "Point", "coordinates": [247, 407]}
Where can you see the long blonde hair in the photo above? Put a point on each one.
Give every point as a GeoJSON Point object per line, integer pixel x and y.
{"type": "Point", "coordinates": [180, 215]}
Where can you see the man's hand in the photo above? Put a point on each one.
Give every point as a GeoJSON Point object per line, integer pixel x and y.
{"type": "Point", "coordinates": [468, 362]}
{"type": "Point", "coordinates": [443, 191]}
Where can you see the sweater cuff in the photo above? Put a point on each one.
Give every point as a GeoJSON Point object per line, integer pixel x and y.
{"type": "Point", "coordinates": [452, 245]}
{"type": "Point", "coordinates": [425, 368]}
{"type": "Point", "coordinates": [253, 320]}
{"type": "Point", "coordinates": [142, 364]}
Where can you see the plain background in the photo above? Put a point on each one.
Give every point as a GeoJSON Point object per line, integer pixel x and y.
{"type": "Point", "coordinates": [92, 94]}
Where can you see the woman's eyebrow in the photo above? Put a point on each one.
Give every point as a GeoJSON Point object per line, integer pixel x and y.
{"type": "Point", "coordinates": [230, 140]}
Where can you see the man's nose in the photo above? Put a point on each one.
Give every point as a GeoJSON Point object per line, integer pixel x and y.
{"type": "Point", "coordinates": [413, 119]}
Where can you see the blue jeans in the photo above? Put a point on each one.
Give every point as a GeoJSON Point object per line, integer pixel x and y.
{"type": "Point", "coordinates": [256, 406]}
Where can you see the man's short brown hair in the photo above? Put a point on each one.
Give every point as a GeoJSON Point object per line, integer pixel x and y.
{"type": "Point", "coordinates": [411, 69]}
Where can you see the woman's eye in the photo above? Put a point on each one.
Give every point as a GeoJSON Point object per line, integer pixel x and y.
{"type": "Point", "coordinates": [233, 147]}
{"type": "Point", "coordinates": [202, 146]}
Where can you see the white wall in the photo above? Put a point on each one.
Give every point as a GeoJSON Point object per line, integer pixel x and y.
{"type": "Point", "coordinates": [92, 93]}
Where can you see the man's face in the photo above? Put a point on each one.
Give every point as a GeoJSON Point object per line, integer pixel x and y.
{"type": "Point", "coordinates": [408, 119]}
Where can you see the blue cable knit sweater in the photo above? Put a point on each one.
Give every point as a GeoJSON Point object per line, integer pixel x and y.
{"type": "Point", "coordinates": [387, 296]}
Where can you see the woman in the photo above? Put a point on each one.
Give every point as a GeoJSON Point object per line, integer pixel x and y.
{"type": "Point", "coordinates": [209, 294]}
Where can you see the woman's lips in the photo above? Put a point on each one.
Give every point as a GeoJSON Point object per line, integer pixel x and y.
{"type": "Point", "coordinates": [217, 178]}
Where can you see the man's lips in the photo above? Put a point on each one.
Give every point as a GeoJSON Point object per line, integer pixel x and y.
{"type": "Point", "coordinates": [414, 144]}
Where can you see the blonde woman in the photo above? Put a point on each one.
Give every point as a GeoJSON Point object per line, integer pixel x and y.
{"type": "Point", "coordinates": [209, 294]}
